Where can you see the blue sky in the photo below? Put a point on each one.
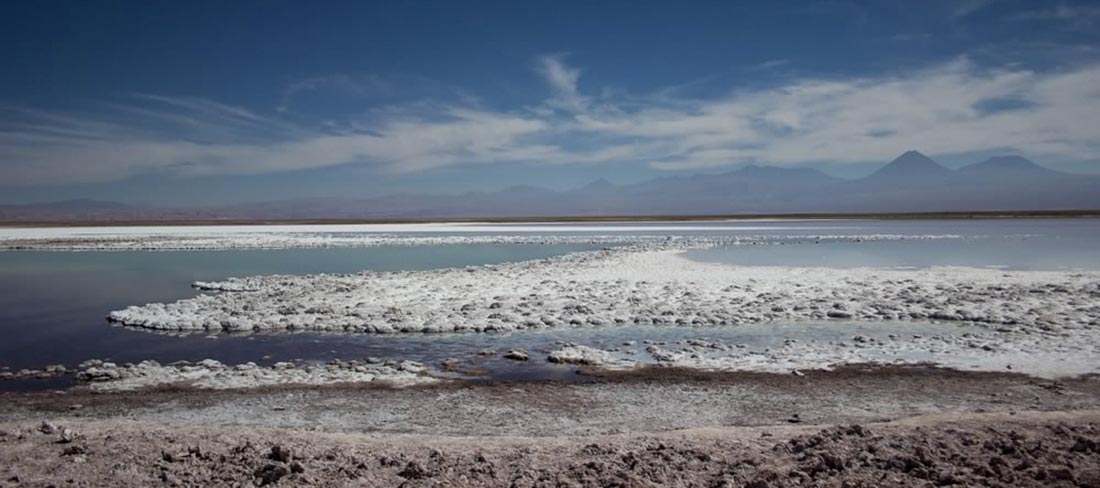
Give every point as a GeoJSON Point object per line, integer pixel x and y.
{"type": "Point", "coordinates": [212, 102]}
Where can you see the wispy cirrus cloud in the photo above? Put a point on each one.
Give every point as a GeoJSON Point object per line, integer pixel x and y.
{"type": "Point", "coordinates": [770, 65]}
{"type": "Point", "coordinates": [361, 85]}
{"type": "Point", "coordinates": [963, 8]}
{"type": "Point", "coordinates": [563, 80]}
{"type": "Point", "coordinates": [47, 148]}
{"type": "Point", "coordinates": [954, 107]}
{"type": "Point", "coordinates": [1073, 17]}
{"type": "Point", "coordinates": [938, 110]}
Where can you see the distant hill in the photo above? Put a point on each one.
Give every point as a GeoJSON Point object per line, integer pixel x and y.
{"type": "Point", "coordinates": [909, 170]}
{"type": "Point", "coordinates": [912, 182]}
{"type": "Point", "coordinates": [1001, 167]}
{"type": "Point", "coordinates": [916, 183]}
{"type": "Point", "coordinates": [80, 209]}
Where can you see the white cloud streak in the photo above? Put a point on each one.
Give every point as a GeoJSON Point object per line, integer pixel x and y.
{"type": "Point", "coordinates": [946, 109]}
{"type": "Point", "coordinates": [563, 81]}
{"type": "Point", "coordinates": [964, 8]}
{"type": "Point", "coordinates": [1075, 17]}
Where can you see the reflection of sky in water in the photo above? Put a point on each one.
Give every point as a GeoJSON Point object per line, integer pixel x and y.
{"type": "Point", "coordinates": [1023, 244]}
{"type": "Point", "coordinates": [432, 349]}
{"type": "Point", "coordinates": [1075, 250]}
{"type": "Point", "coordinates": [965, 227]}
{"type": "Point", "coordinates": [52, 304]}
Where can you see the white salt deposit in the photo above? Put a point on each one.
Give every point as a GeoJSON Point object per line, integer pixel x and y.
{"type": "Point", "coordinates": [1043, 356]}
{"type": "Point", "coordinates": [1026, 319]}
{"type": "Point", "coordinates": [202, 242]}
{"type": "Point", "coordinates": [211, 374]}
{"type": "Point", "coordinates": [589, 356]}
{"type": "Point", "coordinates": [626, 287]}
{"type": "Point", "coordinates": [278, 237]}
{"type": "Point", "coordinates": [404, 229]}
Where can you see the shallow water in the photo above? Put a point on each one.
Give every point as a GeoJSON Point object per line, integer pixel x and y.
{"type": "Point", "coordinates": [52, 304]}
{"type": "Point", "coordinates": [806, 228]}
{"type": "Point", "coordinates": [1039, 245]}
{"type": "Point", "coordinates": [432, 349]}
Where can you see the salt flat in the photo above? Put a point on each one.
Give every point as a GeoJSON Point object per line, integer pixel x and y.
{"type": "Point", "coordinates": [210, 374]}
{"type": "Point", "coordinates": [1023, 320]}
{"type": "Point", "coordinates": [312, 237]}
{"type": "Point", "coordinates": [441, 227]}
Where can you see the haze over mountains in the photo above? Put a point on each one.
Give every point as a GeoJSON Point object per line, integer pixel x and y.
{"type": "Point", "coordinates": [911, 183]}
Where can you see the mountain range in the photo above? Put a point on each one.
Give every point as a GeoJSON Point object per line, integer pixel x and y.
{"type": "Point", "coordinates": [912, 182]}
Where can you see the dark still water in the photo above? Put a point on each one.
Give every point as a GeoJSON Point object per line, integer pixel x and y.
{"type": "Point", "coordinates": [53, 304]}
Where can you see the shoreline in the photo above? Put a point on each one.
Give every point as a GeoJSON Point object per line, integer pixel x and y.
{"type": "Point", "coordinates": [900, 426]}
{"type": "Point", "coordinates": [961, 215]}
{"type": "Point", "coordinates": [1011, 415]}
{"type": "Point", "coordinates": [636, 401]}
{"type": "Point", "coordinates": [1022, 319]}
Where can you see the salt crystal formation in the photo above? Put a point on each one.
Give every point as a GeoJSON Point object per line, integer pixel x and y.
{"type": "Point", "coordinates": [233, 239]}
{"type": "Point", "coordinates": [1028, 320]}
{"type": "Point", "coordinates": [211, 374]}
{"type": "Point", "coordinates": [627, 286]}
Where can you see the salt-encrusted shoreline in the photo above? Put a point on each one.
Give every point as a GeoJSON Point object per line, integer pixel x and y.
{"type": "Point", "coordinates": [281, 241]}
{"type": "Point", "coordinates": [211, 374]}
{"type": "Point", "coordinates": [1043, 357]}
{"type": "Point", "coordinates": [1024, 319]}
{"type": "Point", "coordinates": [627, 286]}
{"type": "Point", "coordinates": [305, 240]}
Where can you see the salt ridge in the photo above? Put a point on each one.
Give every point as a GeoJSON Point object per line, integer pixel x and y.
{"type": "Point", "coordinates": [211, 374]}
{"type": "Point", "coordinates": [275, 240]}
{"type": "Point", "coordinates": [1029, 320]}
{"type": "Point", "coordinates": [624, 286]}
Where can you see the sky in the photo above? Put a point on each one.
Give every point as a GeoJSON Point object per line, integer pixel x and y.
{"type": "Point", "coordinates": [214, 102]}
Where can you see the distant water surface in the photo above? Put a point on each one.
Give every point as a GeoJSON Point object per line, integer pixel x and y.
{"type": "Point", "coordinates": [52, 304]}
{"type": "Point", "coordinates": [1040, 245]}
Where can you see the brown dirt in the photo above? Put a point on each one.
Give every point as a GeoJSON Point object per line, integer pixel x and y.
{"type": "Point", "coordinates": [912, 427]}
{"type": "Point", "coordinates": [1032, 449]}
{"type": "Point", "coordinates": [646, 400]}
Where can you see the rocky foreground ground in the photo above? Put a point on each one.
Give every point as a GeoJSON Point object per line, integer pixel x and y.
{"type": "Point", "coordinates": [850, 427]}
{"type": "Point", "coordinates": [1033, 449]}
